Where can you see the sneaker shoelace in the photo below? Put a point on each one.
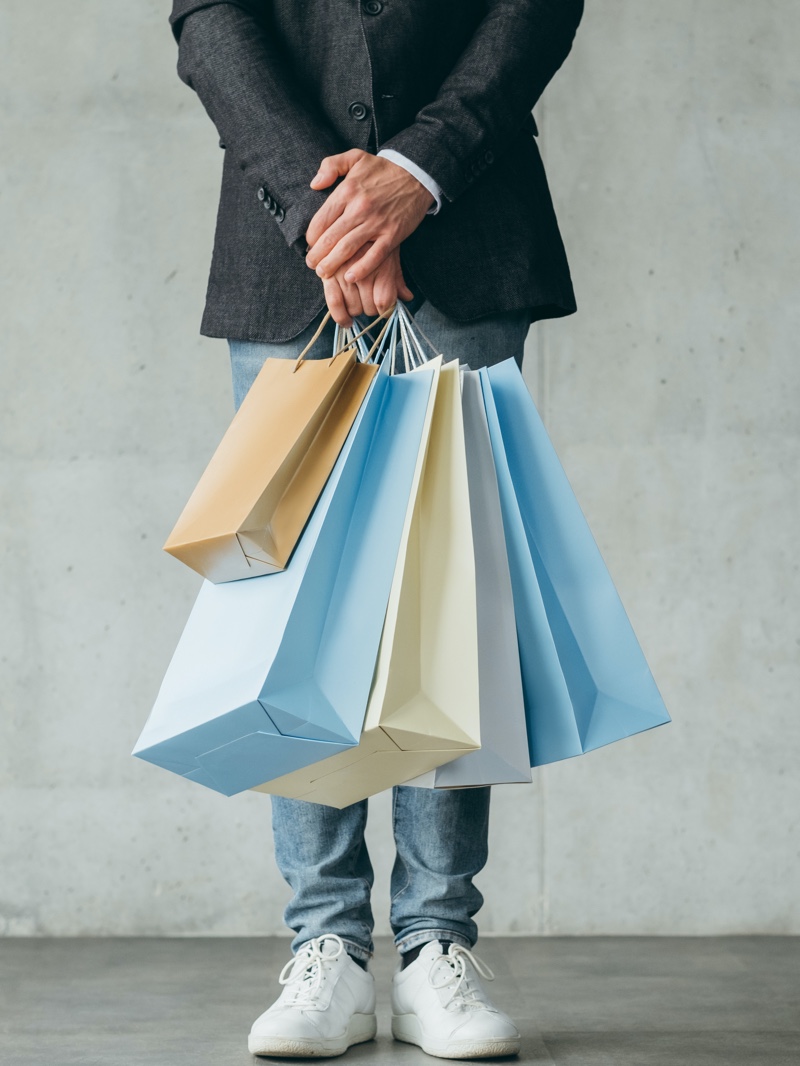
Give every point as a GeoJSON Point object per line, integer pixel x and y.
{"type": "Point", "coordinates": [451, 970]}
{"type": "Point", "coordinates": [304, 974]}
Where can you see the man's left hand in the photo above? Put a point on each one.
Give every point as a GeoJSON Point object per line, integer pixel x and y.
{"type": "Point", "coordinates": [378, 203]}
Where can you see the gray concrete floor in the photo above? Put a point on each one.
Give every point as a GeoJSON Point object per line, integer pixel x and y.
{"type": "Point", "coordinates": [604, 1001]}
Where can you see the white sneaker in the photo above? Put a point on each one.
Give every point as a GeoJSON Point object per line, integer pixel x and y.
{"type": "Point", "coordinates": [439, 1003]}
{"type": "Point", "coordinates": [327, 1004]}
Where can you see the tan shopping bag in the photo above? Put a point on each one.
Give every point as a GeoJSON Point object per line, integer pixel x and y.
{"type": "Point", "coordinates": [423, 709]}
{"type": "Point", "coordinates": [254, 498]}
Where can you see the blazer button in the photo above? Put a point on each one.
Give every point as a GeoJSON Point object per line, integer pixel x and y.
{"type": "Point", "coordinates": [261, 194]}
{"type": "Point", "coordinates": [280, 215]}
{"type": "Point", "coordinates": [373, 7]}
{"type": "Point", "coordinates": [489, 157]}
{"type": "Point", "coordinates": [358, 111]}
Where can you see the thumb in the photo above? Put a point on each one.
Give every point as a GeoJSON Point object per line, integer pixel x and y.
{"type": "Point", "coordinates": [333, 167]}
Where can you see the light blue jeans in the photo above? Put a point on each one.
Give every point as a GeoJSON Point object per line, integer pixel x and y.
{"type": "Point", "coordinates": [441, 837]}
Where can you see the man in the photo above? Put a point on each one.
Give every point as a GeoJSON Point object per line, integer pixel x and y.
{"type": "Point", "coordinates": [379, 150]}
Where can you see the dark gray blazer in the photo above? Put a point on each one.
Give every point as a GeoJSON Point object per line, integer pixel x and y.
{"type": "Point", "coordinates": [449, 83]}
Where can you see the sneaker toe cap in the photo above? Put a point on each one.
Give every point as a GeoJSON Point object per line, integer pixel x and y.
{"type": "Point", "coordinates": [486, 1025]}
{"type": "Point", "coordinates": [285, 1024]}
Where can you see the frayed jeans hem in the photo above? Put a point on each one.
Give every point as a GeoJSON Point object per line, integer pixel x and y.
{"type": "Point", "coordinates": [358, 951]}
{"type": "Point", "coordinates": [423, 936]}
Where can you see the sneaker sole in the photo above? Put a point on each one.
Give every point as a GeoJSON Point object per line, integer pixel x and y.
{"type": "Point", "coordinates": [406, 1028]}
{"type": "Point", "coordinates": [362, 1027]}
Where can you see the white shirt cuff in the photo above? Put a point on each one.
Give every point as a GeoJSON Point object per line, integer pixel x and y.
{"type": "Point", "coordinates": [416, 172]}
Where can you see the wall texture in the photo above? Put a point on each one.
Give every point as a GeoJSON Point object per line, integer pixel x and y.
{"type": "Point", "coordinates": [671, 396]}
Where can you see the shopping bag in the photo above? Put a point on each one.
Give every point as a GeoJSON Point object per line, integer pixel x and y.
{"type": "Point", "coordinates": [585, 678]}
{"type": "Point", "coordinates": [424, 704]}
{"type": "Point", "coordinates": [274, 673]}
{"type": "Point", "coordinates": [503, 754]}
{"type": "Point", "coordinates": [255, 496]}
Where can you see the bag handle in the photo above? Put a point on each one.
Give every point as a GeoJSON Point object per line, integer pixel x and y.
{"type": "Point", "coordinates": [386, 347]}
{"type": "Point", "coordinates": [347, 334]}
{"type": "Point", "coordinates": [414, 329]}
{"type": "Point", "coordinates": [395, 317]}
{"type": "Point", "coordinates": [313, 341]}
{"type": "Point", "coordinates": [385, 315]}
{"type": "Point", "coordinates": [381, 335]}
{"type": "Point", "coordinates": [412, 350]}
{"type": "Point", "coordinates": [405, 334]}
{"type": "Point", "coordinates": [403, 337]}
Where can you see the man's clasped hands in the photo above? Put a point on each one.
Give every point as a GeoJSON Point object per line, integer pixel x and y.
{"type": "Point", "coordinates": [354, 239]}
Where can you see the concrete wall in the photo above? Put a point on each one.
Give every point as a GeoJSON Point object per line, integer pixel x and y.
{"type": "Point", "coordinates": [672, 398]}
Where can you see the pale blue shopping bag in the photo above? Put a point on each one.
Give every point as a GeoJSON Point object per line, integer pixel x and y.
{"type": "Point", "coordinates": [585, 679]}
{"type": "Point", "coordinates": [273, 673]}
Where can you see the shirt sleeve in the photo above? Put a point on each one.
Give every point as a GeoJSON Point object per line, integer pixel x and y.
{"type": "Point", "coordinates": [422, 176]}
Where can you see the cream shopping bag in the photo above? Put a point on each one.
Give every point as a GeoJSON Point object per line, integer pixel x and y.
{"type": "Point", "coordinates": [253, 500]}
{"type": "Point", "coordinates": [503, 756]}
{"type": "Point", "coordinates": [423, 709]}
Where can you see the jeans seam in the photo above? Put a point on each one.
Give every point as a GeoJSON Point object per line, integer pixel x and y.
{"type": "Point", "coordinates": [397, 895]}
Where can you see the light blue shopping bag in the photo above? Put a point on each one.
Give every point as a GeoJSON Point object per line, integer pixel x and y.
{"type": "Point", "coordinates": [273, 673]}
{"type": "Point", "coordinates": [585, 678]}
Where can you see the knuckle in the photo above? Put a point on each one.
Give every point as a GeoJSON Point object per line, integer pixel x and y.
{"type": "Point", "coordinates": [362, 203]}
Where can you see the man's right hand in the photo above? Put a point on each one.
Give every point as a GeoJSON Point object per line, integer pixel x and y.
{"type": "Point", "coordinates": [376, 206]}
{"type": "Point", "coordinates": [373, 295]}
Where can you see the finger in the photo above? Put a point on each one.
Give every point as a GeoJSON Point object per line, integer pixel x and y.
{"type": "Point", "coordinates": [370, 261]}
{"type": "Point", "coordinates": [323, 241]}
{"type": "Point", "coordinates": [385, 292]}
{"type": "Point", "coordinates": [336, 305]}
{"type": "Point", "coordinates": [335, 166]}
{"type": "Point", "coordinates": [403, 290]}
{"type": "Point", "coordinates": [352, 210]}
{"type": "Point", "coordinates": [366, 292]}
{"type": "Point", "coordinates": [349, 245]}
{"type": "Point", "coordinates": [352, 298]}
{"type": "Point", "coordinates": [326, 217]}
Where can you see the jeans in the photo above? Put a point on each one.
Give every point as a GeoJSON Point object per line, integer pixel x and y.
{"type": "Point", "coordinates": [441, 837]}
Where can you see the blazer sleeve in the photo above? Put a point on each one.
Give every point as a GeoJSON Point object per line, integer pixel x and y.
{"type": "Point", "coordinates": [226, 54]}
{"type": "Point", "coordinates": [489, 94]}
